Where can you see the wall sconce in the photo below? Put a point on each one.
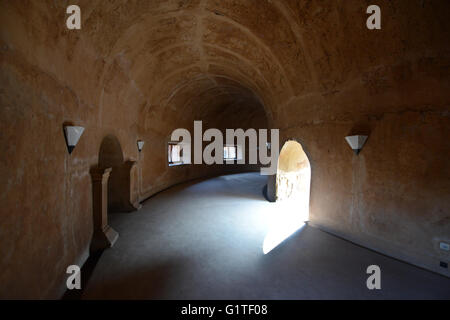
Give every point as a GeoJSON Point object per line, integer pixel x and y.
{"type": "Point", "coordinates": [72, 135]}
{"type": "Point", "coordinates": [140, 145]}
{"type": "Point", "coordinates": [356, 142]}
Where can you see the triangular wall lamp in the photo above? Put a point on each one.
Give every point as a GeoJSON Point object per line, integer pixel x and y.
{"type": "Point", "coordinates": [72, 135]}
{"type": "Point", "coordinates": [356, 142]}
{"type": "Point", "coordinates": [140, 145]}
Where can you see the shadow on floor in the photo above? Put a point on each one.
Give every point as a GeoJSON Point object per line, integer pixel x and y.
{"type": "Point", "coordinates": [86, 273]}
{"type": "Point", "coordinates": [146, 282]}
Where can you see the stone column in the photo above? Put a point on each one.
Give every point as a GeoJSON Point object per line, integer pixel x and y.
{"type": "Point", "coordinates": [133, 195]}
{"type": "Point", "coordinates": [104, 236]}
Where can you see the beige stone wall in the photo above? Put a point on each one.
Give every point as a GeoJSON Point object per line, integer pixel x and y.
{"type": "Point", "coordinates": [138, 70]}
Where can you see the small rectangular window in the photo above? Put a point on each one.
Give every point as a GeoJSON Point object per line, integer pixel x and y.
{"type": "Point", "coordinates": [175, 154]}
{"type": "Point", "coordinates": [230, 153]}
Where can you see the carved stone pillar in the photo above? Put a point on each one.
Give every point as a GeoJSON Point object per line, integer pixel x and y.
{"type": "Point", "coordinates": [104, 236]}
{"type": "Point", "coordinates": [133, 191]}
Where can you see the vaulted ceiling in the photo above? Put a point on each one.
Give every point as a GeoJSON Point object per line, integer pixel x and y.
{"type": "Point", "coordinates": [194, 58]}
{"type": "Point", "coordinates": [203, 53]}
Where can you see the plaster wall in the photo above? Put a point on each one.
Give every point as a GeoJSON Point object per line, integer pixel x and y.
{"type": "Point", "coordinates": [138, 70]}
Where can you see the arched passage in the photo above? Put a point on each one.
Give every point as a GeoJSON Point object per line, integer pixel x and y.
{"type": "Point", "coordinates": [119, 183]}
{"type": "Point", "coordinates": [292, 191]}
{"type": "Point", "coordinates": [293, 178]}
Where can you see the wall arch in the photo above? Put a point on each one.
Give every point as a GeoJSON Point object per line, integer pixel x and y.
{"type": "Point", "coordinates": [293, 178]}
{"type": "Point", "coordinates": [120, 182]}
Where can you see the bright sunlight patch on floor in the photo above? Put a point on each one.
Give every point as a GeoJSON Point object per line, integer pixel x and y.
{"type": "Point", "coordinates": [283, 221]}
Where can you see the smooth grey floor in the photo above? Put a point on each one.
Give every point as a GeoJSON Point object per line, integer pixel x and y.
{"type": "Point", "coordinates": [204, 240]}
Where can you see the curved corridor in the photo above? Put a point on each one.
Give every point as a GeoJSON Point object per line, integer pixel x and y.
{"type": "Point", "coordinates": [204, 240]}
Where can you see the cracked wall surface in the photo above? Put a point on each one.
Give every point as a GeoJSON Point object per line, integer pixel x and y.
{"type": "Point", "coordinates": [140, 69]}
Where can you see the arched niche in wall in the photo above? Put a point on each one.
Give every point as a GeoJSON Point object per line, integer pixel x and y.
{"type": "Point", "coordinates": [121, 197]}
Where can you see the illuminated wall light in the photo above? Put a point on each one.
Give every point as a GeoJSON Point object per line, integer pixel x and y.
{"type": "Point", "coordinates": [356, 142]}
{"type": "Point", "coordinates": [140, 145]}
{"type": "Point", "coordinates": [72, 134]}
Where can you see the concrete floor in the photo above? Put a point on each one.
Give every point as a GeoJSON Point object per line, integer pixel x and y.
{"type": "Point", "coordinates": [204, 240]}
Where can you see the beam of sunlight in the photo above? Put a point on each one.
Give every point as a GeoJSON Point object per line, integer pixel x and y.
{"type": "Point", "coordinates": [284, 221]}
